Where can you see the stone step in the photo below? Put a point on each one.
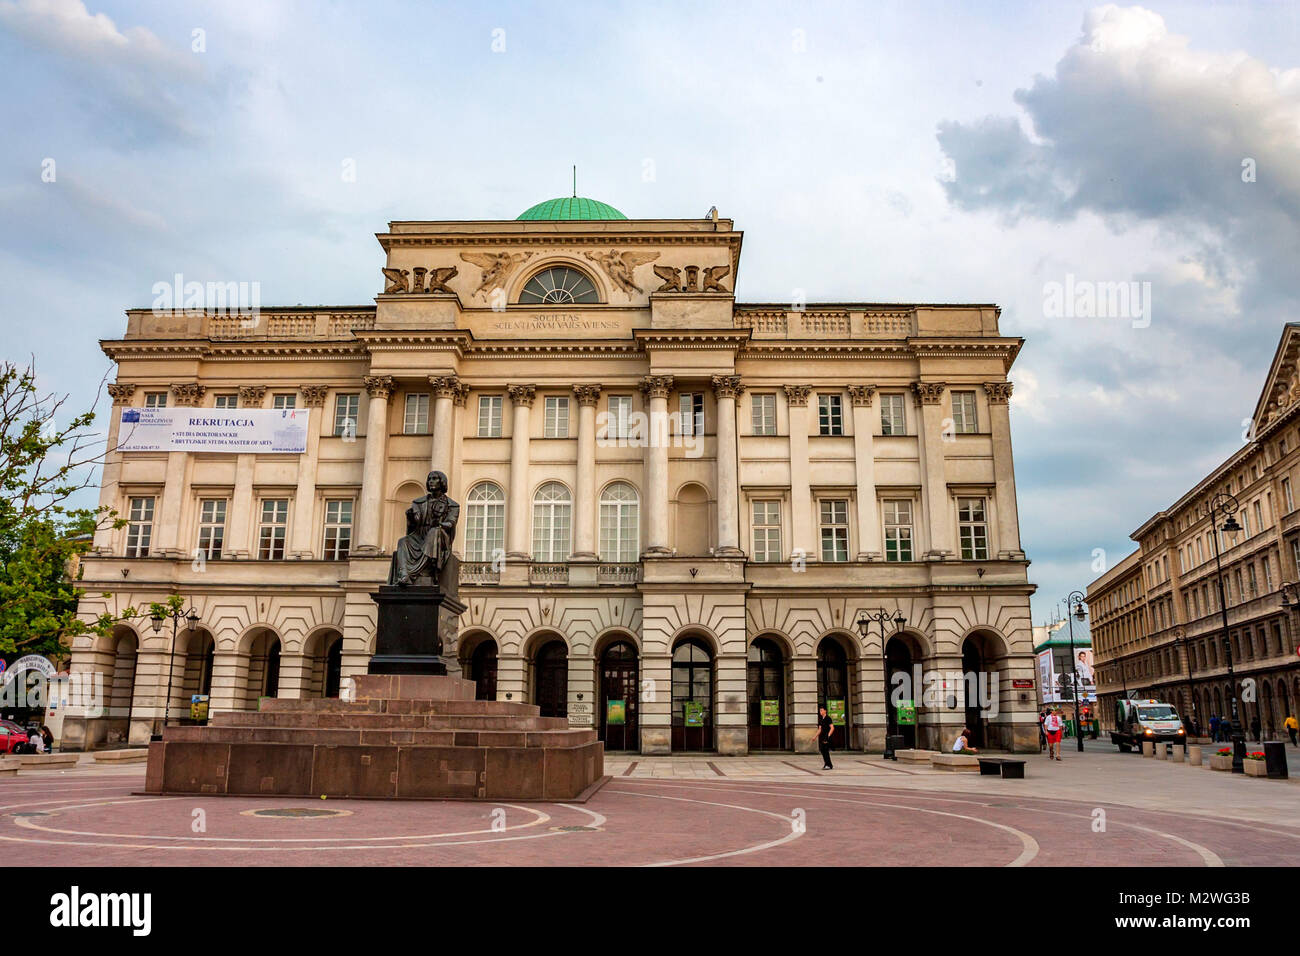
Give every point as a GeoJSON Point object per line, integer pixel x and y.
{"type": "Point", "coordinates": [332, 705]}
{"type": "Point", "coordinates": [375, 721]}
{"type": "Point", "coordinates": [381, 738]}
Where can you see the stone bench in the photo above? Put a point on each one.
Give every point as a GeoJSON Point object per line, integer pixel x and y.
{"type": "Point", "coordinates": [34, 761]}
{"type": "Point", "coordinates": [915, 756]}
{"type": "Point", "coordinates": [1009, 768]}
{"type": "Point", "coordinates": [137, 755]}
{"type": "Point", "coordinates": [955, 763]}
{"type": "Point", "coordinates": [9, 766]}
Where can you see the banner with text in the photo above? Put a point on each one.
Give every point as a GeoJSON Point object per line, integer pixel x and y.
{"type": "Point", "coordinates": [280, 431]}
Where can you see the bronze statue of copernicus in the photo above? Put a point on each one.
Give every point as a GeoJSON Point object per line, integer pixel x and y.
{"type": "Point", "coordinates": [430, 529]}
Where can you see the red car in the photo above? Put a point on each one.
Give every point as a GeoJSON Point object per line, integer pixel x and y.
{"type": "Point", "coordinates": [11, 735]}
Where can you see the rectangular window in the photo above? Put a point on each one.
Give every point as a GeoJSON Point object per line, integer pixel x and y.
{"type": "Point", "coordinates": [155, 399]}
{"type": "Point", "coordinates": [139, 528]}
{"type": "Point", "coordinates": [1295, 552]}
{"type": "Point", "coordinates": [830, 415]}
{"type": "Point", "coordinates": [212, 527]}
{"type": "Point", "coordinates": [489, 416]}
{"type": "Point", "coordinates": [963, 412]}
{"type": "Point", "coordinates": [1286, 495]}
{"type": "Point", "coordinates": [835, 529]}
{"type": "Point", "coordinates": [973, 528]}
{"type": "Point", "coordinates": [556, 421]}
{"type": "Point", "coordinates": [271, 530]}
{"type": "Point", "coordinates": [416, 420]}
{"type": "Point", "coordinates": [1259, 515]}
{"type": "Point", "coordinates": [620, 410]}
{"type": "Point", "coordinates": [283, 401]}
{"type": "Point", "coordinates": [892, 421]}
{"type": "Point", "coordinates": [338, 529]}
{"type": "Point", "coordinates": [1267, 565]}
{"type": "Point", "coordinates": [898, 530]}
{"type": "Point", "coordinates": [691, 407]}
{"type": "Point", "coordinates": [1252, 582]}
{"type": "Point", "coordinates": [225, 401]}
{"type": "Point", "coordinates": [767, 530]}
{"type": "Point", "coordinates": [346, 409]}
{"type": "Point", "coordinates": [762, 409]}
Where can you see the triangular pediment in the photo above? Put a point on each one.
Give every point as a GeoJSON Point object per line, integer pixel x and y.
{"type": "Point", "coordinates": [1282, 387]}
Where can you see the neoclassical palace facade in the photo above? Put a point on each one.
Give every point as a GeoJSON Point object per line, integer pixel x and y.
{"type": "Point", "coordinates": [669, 500]}
{"type": "Point", "coordinates": [1157, 616]}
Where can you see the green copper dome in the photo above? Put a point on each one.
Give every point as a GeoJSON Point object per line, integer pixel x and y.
{"type": "Point", "coordinates": [572, 207]}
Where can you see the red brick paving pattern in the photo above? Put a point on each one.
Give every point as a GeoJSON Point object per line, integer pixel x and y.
{"type": "Point", "coordinates": [66, 821]}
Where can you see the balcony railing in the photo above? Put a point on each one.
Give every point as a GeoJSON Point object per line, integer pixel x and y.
{"type": "Point", "coordinates": [548, 574]}
{"type": "Point", "coordinates": [479, 572]}
{"type": "Point", "coordinates": [628, 573]}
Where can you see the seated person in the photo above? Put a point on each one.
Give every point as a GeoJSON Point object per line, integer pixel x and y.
{"type": "Point", "coordinates": [962, 744]}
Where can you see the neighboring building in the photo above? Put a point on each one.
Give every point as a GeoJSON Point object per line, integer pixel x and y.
{"type": "Point", "coordinates": [823, 460]}
{"type": "Point", "coordinates": [1157, 615]}
{"type": "Point", "coordinates": [1064, 651]}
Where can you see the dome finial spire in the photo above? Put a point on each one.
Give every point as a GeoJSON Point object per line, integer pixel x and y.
{"type": "Point", "coordinates": [575, 180]}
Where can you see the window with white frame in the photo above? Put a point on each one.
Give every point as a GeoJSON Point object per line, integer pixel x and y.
{"type": "Point", "coordinates": [1295, 552]}
{"type": "Point", "coordinates": [284, 401]}
{"type": "Point", "coordinates": [1267, 565]}
{"type": "Point", "coordinates": [973, 529]}
{"type": "Point", "coordinates": [767, 530]}
{"type": "Point", "coordinates": [347, 408]}
{"type": "Point", "coordinates": [228, 400]}
{"type": "Point", "coordinates": [830, 415]}
{"type": "Point", "coordinates": [1286, 495]}
{"type": "Point", "coordinates": [338, 529]}
{"type": "Point", "coordinates": [552, 518]}
{"type": "Point", "coordinates": [892, 420]}
{"type": "Point", "coordinates": [834, 529]}
{"type": "Point", "coordinates": [212, 527]}
{"type": "Point", "coordinates": [489, 416]}
{"type": "Point", "coordinates": [963, 413]}
{"type": "Point", "coordinates": [485, 522]}
{"type": "Point", "coordinates": [139, 527]}
{"type": "Point", "coordinates": [620, 412]}
{"type": "Point", "coordinates": [691, 413]}
{"type": "Point", "coordinates": [272, 528]}
{"type": "Point", "coordinates": [1252, 583]}
{"type": "Point", "coordinates": [155, 399]}
{"type": "Point", "coordinates": [762, 410]}
{"type": "Point", "coordinates": [416, 419]}
{"type": "Point", "coordinates": [620, 523]}
{"type": "Point", "coordinates": [897, 513]}
{"type": "Point", "coordinates": [555, 421]}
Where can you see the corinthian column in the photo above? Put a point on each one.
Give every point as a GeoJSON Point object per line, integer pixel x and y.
{"type": "Point", "coordinates": [304, 499]}
{"type": "Point", "coordinates": [175, 487]}
{"type": "Point", "coordinates": [656, 389]}
{"type": "Point", "coordinates": [801, 520]}
{"type": "Point", "coordinates": [369, 523]}
{"type": "Point", "coordinates": [933, 484]}
{"type": "Point", "coordinates": [727, 388]}
{"type": "Point", "coordinates": [584, 505]}
{"type": "Point", "coordinates": [518, 527]}
{"type": "Point", "coordinates": [1004, 472]}
{"type": "Point", "coordinates": [446, 388]}
{"type": "Point", "coordinates": [122, 394]}
{"type": "Point", "coordinates": [865, 463]}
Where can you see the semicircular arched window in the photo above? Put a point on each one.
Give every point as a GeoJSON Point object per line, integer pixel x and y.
{"type": "Point", "coordinates": [486, 521]}
{"type": "Point", "coordinates": [558, 285]}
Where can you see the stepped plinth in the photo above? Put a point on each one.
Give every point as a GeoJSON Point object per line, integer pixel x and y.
{"type": "Point", "coordinates": [403, 737]}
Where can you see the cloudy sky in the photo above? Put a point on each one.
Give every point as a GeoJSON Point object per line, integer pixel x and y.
{"type": "Point", "coordinates": [907, 151]}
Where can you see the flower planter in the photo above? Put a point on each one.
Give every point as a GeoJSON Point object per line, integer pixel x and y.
{"type": "Point", "coordinates": [1254, 768]}
{"type": "Point", "coordinates": [1221, 762]}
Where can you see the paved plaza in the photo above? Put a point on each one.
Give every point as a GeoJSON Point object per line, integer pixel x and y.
{"type": "Point", "coordinates": [1095, 809]}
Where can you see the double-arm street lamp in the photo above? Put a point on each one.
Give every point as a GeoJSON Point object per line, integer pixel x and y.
{"type": "Point", "coordinates": [160, 613]}
{"type": "Point", "coordinates": [1225, 504]}
{"type": "Point", "coordinates": [1075, 600]}
{"type": "Point", "coordinates": [882, 617]}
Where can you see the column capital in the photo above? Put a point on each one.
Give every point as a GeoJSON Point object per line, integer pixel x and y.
{"type": "Point", "coordinates": [379, 386]}
{"type": "Point", "coordinates": [930, 393]}
{"type": "Point", "coordinates": [861, 394]}
{"type": "Point", "coordinates": [189, 393]}
{"type": "Point", "coordinates": [727, 386]}
{"type": "Point", "coordinates": [122, 392]}
{"type": "Point", "coordinates": [999, 392]}
{"type": "Point", "coordinates": [461, 394]}
{"type": "Point", "coordinates": [587, 394]}
{"type": "Point", "coordinates": [313, 396]}
{"type": "Point", "coordinates": [657, 386]}
{"type": "Point", "coordinates": [444, 386]}
{"type": "Point", "coordinates": [251, 396]}
{"type": "Point", "coordinates": [522, 395]}
{"type": "Point", "coordinates": [798, 394]}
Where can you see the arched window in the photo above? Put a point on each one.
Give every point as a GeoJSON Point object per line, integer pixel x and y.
{"type": "Point", "coordinates": [485, 522]}
{"type": "Point", "coordinates": [552, 517]}
{"type": "Point", "coordinates": [620, 528]}
{"type": "Point", "coordinates": [558, 286]}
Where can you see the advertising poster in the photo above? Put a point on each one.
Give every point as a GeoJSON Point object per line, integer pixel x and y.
{"type": "Point", "coordinates": [906, 713]}
{"type": "Point", "coordinates": [835, 711]}
{"type": "Point", "coordinates": [199, 707]}
{"type": "Point", "coordinates": [693, 713]}
{"type": "Point", "coordinates": [1048, 679]}
{"type": "Point", "coordinates": [771, 716]}
{"type": "Point", "coordinates": [228, 430]}
{"type": "Point", "coordinates": [615, 712]}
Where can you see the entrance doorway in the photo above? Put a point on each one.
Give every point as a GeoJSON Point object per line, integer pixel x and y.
{"type": "Point", "coordinates": [334, 667]}
{"type": "Point", "coordinates": [551, 682]}
{"type": "Point", "coordinates": [483, 670]}
{"type": "Point", "coordinates": [766, 693]}
{"type": "Point", "coordinates": [692, 696]}
{"type": "Point", "coordinates": [973, 663]}
{"type": "Point", "coordinates": [899, 660]}
{"type": "Point", "coordinates": [619, 681]}
{"type": "Point", "coordinates": [833, 690]}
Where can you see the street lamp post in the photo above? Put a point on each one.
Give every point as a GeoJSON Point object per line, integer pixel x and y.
{"type": "Point", "coordinates": [160, 614]}
{"type": "Point", "coordinates": [1227, 504]}
{"type": "Point", "coordinates": [1076, 600]}
{"type": "Point", "coordinates": [880, 616]}
{"type": "Point", "coordinates": [1181, 638]}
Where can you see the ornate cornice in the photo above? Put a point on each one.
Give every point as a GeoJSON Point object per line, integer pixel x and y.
{"type": "Point", "coordinates": [797, 395]}
{"type": "Point", "coordinates": [587, 394]}
{"type": "Point", "coordinates": [379, 386]}
{"type": "Point", "coordinates": [657, 386]}
{"type": "Point", "coordinates": [251, 396]}
{"type": "Point", "coordinates": [313, 396]}
{"type": "Point", "coordinates": [999, 392]}
{"type": "Point", "coordinates": [727, 386]}
{"type": "Point", "coordinates": [523, 395]}
{"type": "Point", "coordinates": [930, 393]}
{"type": "Point", "coordinates": [122, 392]}
{"type": "Point", "coordinates": [861, 394]}
{"type": "Point", "coordinates": [188, 394]}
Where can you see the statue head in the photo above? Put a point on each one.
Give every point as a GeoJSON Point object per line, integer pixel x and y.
{"type": "Point", "coordinates": [436, 483]}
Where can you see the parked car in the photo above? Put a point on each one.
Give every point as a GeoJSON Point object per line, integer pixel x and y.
{"type": "Point", "coordinates": [11, 737]}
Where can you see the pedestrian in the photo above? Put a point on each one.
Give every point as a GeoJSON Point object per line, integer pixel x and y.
{"type": "Point", "coordinates": [825, 729]}
{"type": "Point", "coordinates": [1292, 727]}
{"type": "Point", "coordinates": [1255, 729]}
{"type": "Point", "coordinates": [37, 742]}
{"type": "Point", "coordinates": [962, 743]}
{"type": "Point", "coordinates": [1214, 727]}
{"type": "Point", "coordinates": [1052, 727]}
{"type": "Point", "coordinates": [48, 736]}
{"type": "Point", "coordinates": [1042, 738]}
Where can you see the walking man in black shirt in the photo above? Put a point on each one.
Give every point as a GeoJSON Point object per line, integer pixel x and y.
{"type": "Point", "coordinates": [824, 730]}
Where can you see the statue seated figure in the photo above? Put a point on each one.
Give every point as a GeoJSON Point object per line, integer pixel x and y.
{"type": "Point", "coordinates": [422, 555]}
